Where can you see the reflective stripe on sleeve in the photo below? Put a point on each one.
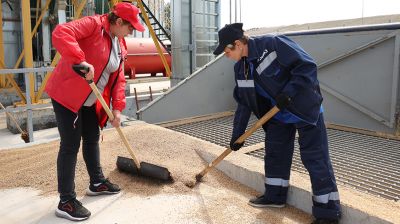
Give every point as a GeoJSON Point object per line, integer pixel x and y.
{"type": "Point", "coordinates": [266, 62]}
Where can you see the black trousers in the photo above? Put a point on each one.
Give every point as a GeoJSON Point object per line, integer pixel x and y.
{"type": "Point", "coordinates": [72, 127]}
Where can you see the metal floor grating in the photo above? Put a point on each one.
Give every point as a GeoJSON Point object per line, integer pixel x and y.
{"type": "Point", "coordinates": [366, 163]}
{"type": "Point", "coordinates": [217, 131]}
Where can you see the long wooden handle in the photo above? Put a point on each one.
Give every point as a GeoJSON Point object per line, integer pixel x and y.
{"type": "Point", "coordinates": [111, 116]}
{"type": "Point", "coordinates": [241, 139]}
{"type": "Point", "coordinates": [258, 124]}
{"type": "Point", "coordinates": [12, 118]}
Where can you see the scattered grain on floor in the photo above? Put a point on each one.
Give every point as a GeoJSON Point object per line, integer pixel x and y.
{"type": "Point", "coordinates": [224, 200]}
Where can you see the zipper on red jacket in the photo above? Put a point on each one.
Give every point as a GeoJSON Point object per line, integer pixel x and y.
{"type": "Point", "coordinates": [109, 54]}
{"type": "Point", "coordinates": [112, 86]}
{"type": "Point", "coordinates": [101, 71]}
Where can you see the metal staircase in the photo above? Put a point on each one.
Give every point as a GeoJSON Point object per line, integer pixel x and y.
{"type": "Point", "coordinates": [161, 34]}
{"type": "Point", "coordinates": [153, 25]}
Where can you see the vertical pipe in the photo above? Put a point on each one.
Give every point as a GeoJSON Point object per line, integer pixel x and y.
{"type": "Point", "coordinates": [154, 12]}
{"type": "Point", "coordinates": [160, 12]}
{"type": "Point", "coordinates": [192, 37]}
{"type": "Point", "coordinates": [29, 125]}
{"type": "Point", "coordinates": [159, 8]}
{"type": "Point", "coordinates": [230, 11]}
{"type": "Point", "coordinates": [395, 109]}
{"type": "Point", "coordinates": [26, 24]}
{"type": "Point", "coordinates": [154, 7]}
{"type": "Point", "coordinates": [136, 99]}
{"type": "Point", "coordinates": [151, 94]}
{"type": "Point", "coordinates": [240, 10]}
{"type": "Point", "coordinates": [61, 12]}
{"type": "Point", "coordinates": [235, 11]}
{"type": "Point", "coordinates": [46, 49]}
{"type": "Point", "coordinates": [362, 12]}
{"type": "Point", "coordinates": [219, 14]}
{"type": "Point", "coordinates": [37, 10]}
{"type": "Point", "coordinates": [2, 77]}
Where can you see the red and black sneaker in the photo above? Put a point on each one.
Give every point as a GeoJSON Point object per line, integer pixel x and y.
{"type": "Point", "coordinates": [72, 210]}
{"type": "Point", "coordinates": [104, 188]}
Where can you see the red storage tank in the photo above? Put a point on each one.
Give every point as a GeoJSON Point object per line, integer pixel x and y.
{"type": "Point", "coordinates": [143, 57]}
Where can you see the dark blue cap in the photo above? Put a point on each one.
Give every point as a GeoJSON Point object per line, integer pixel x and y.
{"type": "Point", "coordinates": [228, 35]}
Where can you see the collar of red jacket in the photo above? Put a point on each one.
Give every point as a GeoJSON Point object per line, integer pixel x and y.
{"type": "Point", "coordinates": [105, 23]}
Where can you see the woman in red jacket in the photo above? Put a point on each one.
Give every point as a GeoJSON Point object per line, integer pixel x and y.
{"type": "Point", "coordinates": [98, 43]}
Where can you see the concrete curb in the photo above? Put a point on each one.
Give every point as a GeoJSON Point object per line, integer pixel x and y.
{"type": "Point", "coordinates": [249, 171]}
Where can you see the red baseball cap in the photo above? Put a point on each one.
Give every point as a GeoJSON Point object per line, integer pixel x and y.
{"type": "Point", "coordinates": [129, 12]}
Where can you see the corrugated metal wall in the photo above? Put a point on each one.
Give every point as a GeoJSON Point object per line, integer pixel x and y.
{"type": "Point", "coordinates": [194, 35]}
{"type": "Point", "coordinates": [359, 74]}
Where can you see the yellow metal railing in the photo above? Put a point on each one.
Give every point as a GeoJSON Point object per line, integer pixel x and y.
{"type": "Point", "coordinates": [10, 77]}
{"type": "Point", "coordinates": [27, 51]}
{"type": "Point", "coordinates": [26, 25]}
{"type": "Point", "coordinates": [58, 56]}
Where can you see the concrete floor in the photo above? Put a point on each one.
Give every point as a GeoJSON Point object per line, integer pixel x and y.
{"type": "Point", "coordinates": [27, 206]}
{"type": "Point", "coordinates": [9, 140]}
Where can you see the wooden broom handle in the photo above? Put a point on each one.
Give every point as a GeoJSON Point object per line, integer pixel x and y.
{"type": "Point", "coordinates": [12, 118]}
{"type": "Point", "coordinates": [241, 139]}
{"type": "Point", "coordinates": [111, 116]}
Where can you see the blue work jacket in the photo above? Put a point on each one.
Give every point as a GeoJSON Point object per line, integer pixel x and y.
{"type": "Point", "coordinates": [276, 64]}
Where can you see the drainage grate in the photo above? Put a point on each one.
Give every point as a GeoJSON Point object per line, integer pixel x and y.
{"type": "Point", "coordinates": [366, 163]}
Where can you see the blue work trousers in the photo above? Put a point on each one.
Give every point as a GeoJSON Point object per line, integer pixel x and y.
{"type": "Point", "coordinates": [279, 146]}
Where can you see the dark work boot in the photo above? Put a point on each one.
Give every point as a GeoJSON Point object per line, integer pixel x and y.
{"type": "Point", "coordinates": [263, 202]}
{"type": "Point", "coordinates": [325, 221]}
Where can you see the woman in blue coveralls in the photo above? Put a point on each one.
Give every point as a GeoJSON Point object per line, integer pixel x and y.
{"type": "Point", "coordinates": [274, 70]}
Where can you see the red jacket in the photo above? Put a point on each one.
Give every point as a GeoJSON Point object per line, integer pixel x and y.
{"type": "Point", "coordinates": [87, 40]}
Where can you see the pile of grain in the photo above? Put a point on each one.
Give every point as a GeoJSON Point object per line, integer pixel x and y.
{"type": "Point", "coordinates": [35, 167]}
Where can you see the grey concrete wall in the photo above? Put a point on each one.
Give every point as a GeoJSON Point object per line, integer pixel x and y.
{"type": "Point", "coordinates": [42, 118]}
{"type": "Point", "coordinates": [8, 96]}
